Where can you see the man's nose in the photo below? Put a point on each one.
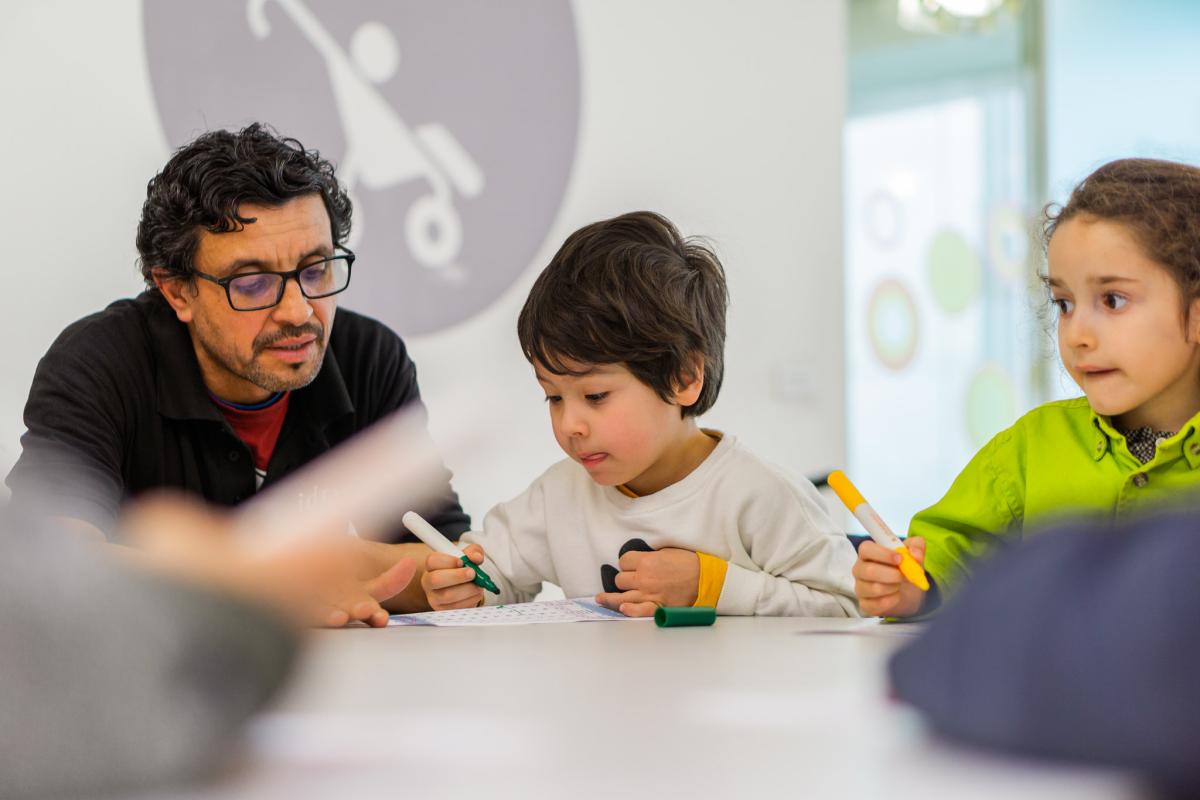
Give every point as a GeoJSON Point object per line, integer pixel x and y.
{"type": "Point", "coordinates": [293, 308]}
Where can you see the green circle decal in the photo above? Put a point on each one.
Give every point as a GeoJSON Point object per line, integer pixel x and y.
{"type": "Point", "coordinates": [954, 271]}
{"type": "Point", "coordinates": [991, 403]}
{"type": "Point", "coordinates": [892, 324]}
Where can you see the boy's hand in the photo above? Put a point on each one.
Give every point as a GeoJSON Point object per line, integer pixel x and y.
{"type": "Point", "coordinates": [667, 577]}
{"type": "Point", "coordinates": [882, 591]}
{"type": "Point", "coordinates": [448, 584]}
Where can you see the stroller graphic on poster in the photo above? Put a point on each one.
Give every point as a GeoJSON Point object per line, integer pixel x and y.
{"type": "Point", "coordinates": [382, 151]}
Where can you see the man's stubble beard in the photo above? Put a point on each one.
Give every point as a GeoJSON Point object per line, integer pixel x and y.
{"type": "Point", "coordinates": [256, 374]}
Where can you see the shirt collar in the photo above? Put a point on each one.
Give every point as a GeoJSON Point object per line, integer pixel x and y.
{"type": "Point", "coordinates": [1188, 438]}
{"type": "Point", "coordinates": [181, 391]}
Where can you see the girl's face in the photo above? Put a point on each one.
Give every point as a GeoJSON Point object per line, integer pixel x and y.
{"type": "Point", "coordinates": [1123, 333]}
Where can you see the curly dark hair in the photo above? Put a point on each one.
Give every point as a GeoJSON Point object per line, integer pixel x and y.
{"type": "Point", "coordinates": [207, 181]}
{"type": "Point", "coordinates": [631, 290]}
{"type": "Point", "coordinates": [1159, 201]}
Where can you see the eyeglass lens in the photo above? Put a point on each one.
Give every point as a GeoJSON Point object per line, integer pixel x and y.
{"type": "Point", "coordinates": [265, 288]}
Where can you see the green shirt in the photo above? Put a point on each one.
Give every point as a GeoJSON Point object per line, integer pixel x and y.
{"type": "Point", "coordinates": [1060, 459]}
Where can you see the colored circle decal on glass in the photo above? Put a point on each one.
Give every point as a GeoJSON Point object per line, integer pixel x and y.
{"type": "Point", "coordinates": [991, 403]}
{"type": "Point", "coordinates": [892, 324]}
{"type": "Point", "coordinates": [954, 271]}
{"type": "Point", "coordinates": [1008, 243]}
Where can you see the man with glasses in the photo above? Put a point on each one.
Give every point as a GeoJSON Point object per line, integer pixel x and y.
{"type": "Point", "coordinates": [228, 372]}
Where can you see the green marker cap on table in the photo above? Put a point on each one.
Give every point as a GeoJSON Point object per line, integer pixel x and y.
{"type": "Point", "coordinates": [680, 616]}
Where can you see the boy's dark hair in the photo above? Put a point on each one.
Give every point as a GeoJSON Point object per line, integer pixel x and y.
{"type": "Point", "coordinates": [1159, 201]}
{"type": "Point", "coordinates": [631, 290]}
{"type": "Point", "coordinates": [209, 179]}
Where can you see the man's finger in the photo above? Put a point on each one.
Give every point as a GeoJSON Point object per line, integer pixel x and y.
{"type": "Point", "coordinates": [330, 617]}
{"type": "Point", "coordinates": [393, 581]}
{"type": "Point", "coordinates": [368, 611]}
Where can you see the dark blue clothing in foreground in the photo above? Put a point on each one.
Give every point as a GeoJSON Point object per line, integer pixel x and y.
{"type": "Point", "coordinates": [1080, 644]}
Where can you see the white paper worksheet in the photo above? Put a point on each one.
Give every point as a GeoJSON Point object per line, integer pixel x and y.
{"type": "Point", "coordinates": [577, 610]}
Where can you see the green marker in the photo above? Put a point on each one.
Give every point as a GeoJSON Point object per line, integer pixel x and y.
{"type": "Point", "coordinates": [434, 538]}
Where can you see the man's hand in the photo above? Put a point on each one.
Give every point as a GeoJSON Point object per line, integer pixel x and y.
{"type": "Point", "coordinates": [317, 581]}
{"type": "Point", "coordinates": [667, 577]}
{"type": "Point", "coordinates": [448, 584]}
{"type": "Point", "coordinates": [882, 591]}
{"type": "Point", "coordinates": [340, 594]}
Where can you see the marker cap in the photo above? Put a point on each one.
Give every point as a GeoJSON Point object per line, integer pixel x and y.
{"type": "Point", "coordinates": [681, 616]}
{"type": "Point", "coordinates": [913, 571]}
{"type": "Point", "coordinates": [481, 577]}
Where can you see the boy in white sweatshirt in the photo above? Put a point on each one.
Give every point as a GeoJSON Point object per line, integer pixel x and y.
{"type": "Point", "coordinates": [625, 330]}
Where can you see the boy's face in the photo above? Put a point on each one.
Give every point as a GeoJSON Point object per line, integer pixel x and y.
{"type": "Point", "coordinates": [1122, 334]}
{"type": "Point", "coordinates": [617, 427]}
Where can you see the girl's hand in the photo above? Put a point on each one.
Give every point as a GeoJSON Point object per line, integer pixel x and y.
{"type": "Point", "coordinates": [882, 591]}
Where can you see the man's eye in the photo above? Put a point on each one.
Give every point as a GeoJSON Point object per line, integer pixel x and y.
{"type": "Point", "coordinates": [1115, 301]}
{"type": "Point", "coordinates": [316, 278]}
{"type": "Point", "coordinates": [254, 285]}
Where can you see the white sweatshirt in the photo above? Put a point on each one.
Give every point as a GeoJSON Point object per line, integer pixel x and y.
{"type": "Point", "coordinates": [786, 557]}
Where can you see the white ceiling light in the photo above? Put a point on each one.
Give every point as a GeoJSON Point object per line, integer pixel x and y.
{"type": "Point", "coordinates": [947, 16]}
{"type": "Point", "coordinates": [973, 9]}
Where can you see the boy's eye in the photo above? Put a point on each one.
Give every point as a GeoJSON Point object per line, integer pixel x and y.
{"type": "Point", "coordinates": [1114, 301]}
{"type": "Point", "coordinates": [595, 398]}
{"type": "Point", "coordinates": [1063, 305]}
{"type": "Point", "coordinates": [553, 398]}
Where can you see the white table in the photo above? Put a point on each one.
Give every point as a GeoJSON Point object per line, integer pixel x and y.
{"type": "Point", "coordinates": [746, 708]}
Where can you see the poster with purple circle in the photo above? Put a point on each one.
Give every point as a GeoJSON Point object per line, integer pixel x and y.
{"type": "Point", "coordinates": [453, 124]}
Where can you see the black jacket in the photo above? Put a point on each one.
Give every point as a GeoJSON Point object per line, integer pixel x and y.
{"type": "Point", "coordinates": [118, 406]}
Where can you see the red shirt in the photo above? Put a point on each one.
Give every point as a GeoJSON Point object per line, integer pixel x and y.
{"type": "Point", "coordinates": [258, 426]}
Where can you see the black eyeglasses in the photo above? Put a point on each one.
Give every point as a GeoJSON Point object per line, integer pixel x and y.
{"type": "Point", "coordinates": [254, 291]}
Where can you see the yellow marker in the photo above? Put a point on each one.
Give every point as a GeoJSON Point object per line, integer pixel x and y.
{"type": "Point", "coordinates": [880, 532]}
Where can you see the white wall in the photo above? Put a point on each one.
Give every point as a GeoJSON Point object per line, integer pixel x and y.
{"type": "Point", "coordinates": [724, 116]}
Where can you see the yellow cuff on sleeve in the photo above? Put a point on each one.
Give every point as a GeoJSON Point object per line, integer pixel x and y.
{"type": "Point", "coordinates": [712, 580]}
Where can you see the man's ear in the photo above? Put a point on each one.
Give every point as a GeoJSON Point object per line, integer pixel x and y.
{"type": "Point", "coordinates": [688, 393]}
{"type": "Point", "coordinates": [175, 290]}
